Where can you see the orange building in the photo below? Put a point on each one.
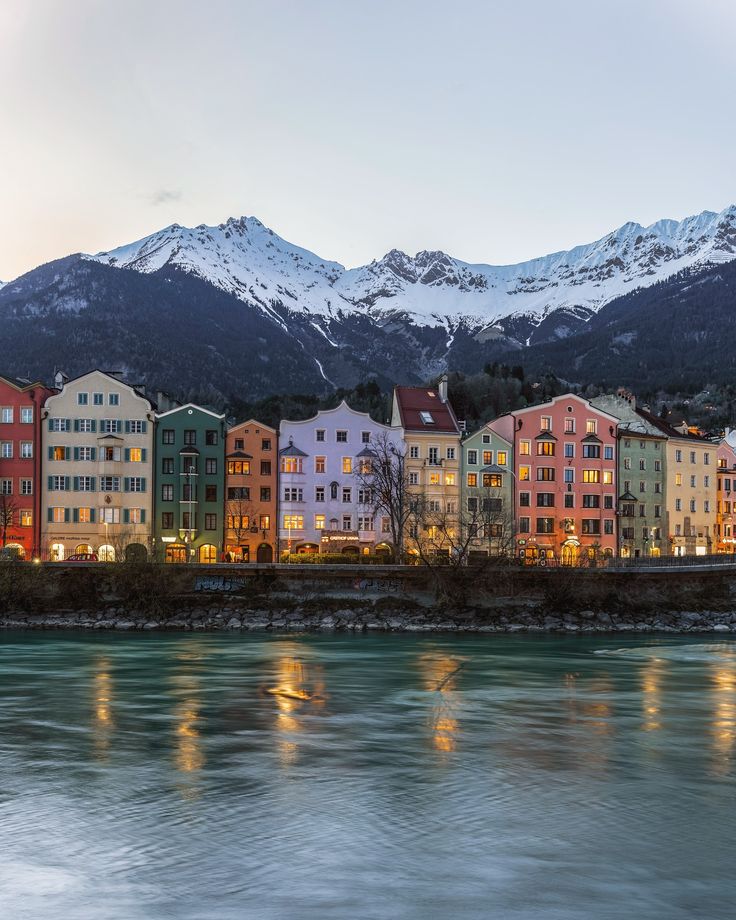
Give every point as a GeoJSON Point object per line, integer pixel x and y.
{"type": "Point", "coordinates": [250, 493]}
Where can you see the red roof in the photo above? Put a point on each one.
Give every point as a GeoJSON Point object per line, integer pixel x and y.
{"type": "Point", "coordinates": [413, 401]}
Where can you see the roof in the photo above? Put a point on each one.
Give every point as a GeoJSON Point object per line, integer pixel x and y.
{"type": "Point", "coordinates": [250, 421]}
{"type": "Point", "coordinates": [239, 455]}
{"type": "Point", "coordinates": [412, 401]}
{"type": "Point", "coordinates": [22, 383]}
{"type": "Point", "coordinates": [292, 451]}
{"type": "Point", "coordinates": [190, 406]}
{"type": "Point", "coordinates": [367, 452]}
{"type": "Point", "coordinates": [494, 468]}
{"type": "Point", "coordinates": [668, 430]}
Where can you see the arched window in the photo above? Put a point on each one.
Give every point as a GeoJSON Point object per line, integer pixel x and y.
{"type": "Point", "coordinates": [207, 554]}
{"type": "Point", "coordinates": [84, 548]}
{"type": "Point", "coordinates": [333, 491]}
{"type": "Point", "coordinates": [56, 552]}
{"type": "Point", "coordinates": [105, 553]}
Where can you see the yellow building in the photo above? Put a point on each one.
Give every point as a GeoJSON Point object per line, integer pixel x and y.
{"type": "Point", "coordinates": [432, 437]}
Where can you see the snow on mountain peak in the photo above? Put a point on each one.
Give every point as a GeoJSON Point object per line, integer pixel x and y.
{"type": "Point", "coordinates": [246, 258]}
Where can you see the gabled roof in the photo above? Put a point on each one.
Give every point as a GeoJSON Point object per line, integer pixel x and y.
{"type": "Point", "coordinates": [251, 421]}
{"type": "Point", "coordinates": [494, 468]}
{"type": "Point", "coordinates": [367, 452]}
{"type": "Point", "coordinates": [592, 439]}
{"type": "Point", "coordinates": [412, 401]}
{"type": "Point", "coordinates": [21, 383]}
{"type": "Point", "coordinates": [292, 451]}
{"type": "Point", "coordinates": [545, 436]}
{"type": "Point", "coordinates": [628, 497]}
{"type": "Point", "coordinates": [668, 430]}
{"type": "Point", "coordinates": [239, 455]}
{"type": "Point", "coordinates": [190, 406]}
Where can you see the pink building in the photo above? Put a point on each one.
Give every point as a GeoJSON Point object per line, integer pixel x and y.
{"type": "Point", "coordinates": [564, 480]}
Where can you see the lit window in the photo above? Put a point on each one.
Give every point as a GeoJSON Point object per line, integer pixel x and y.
{"type": "Point", "coordinates": [607, 477]}
{"type": "Point", "coordinates": [84, 515]}
{"type": "Point", "coordinates": [434, 479]}
{"type": "Point", "coordinates": [289, 465]}
{"type": "Point", "coordinates": [294, 522]}
{"type": "Point", "coordinates": [319, 522]}
{"type": "Point", "coordinates": [591, 426]}
{"type": "Point", "coordinates": [546, 423]}
{"type": "Point", "coordinates": [501, 458]}
{"type": "Point", "coordinates": [347, 464]}
{"type": "Point", "coordinates": [26, 518]}
{"type": "Point", "coordinates": [319, 464]}
{"type": "Point", "coordinates": [524, 474]}
{"type": "Point", "coordinates": [136, 455]}
{"type": "Point", "coordinates": [472, 480]}
{"type": "Point", "coordinates": [525, 448]}
{"type": "Point", "coordinates": [591, 475]}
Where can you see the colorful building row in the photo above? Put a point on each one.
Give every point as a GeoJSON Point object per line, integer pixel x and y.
{"type": "Point", "coordinates": [94, 465]}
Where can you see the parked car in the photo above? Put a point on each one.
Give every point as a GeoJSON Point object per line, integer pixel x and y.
{"type": "Point", "coordinates": [82, 557]}
{"type": "Point", "coordinates": [10, 555]}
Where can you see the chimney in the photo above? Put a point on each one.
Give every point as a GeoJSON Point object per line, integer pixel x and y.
{"type": "Point", "coordinates": [442, 388]}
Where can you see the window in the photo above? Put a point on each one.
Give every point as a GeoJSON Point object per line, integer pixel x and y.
{"type": "Point", "coordinates": [414, 452]}
{"type": "Point", "coordinates": [239, 444]}
{"type": "Point", "coordinates": [472, 458]}
{"type": "Point", "coordinates": [113, 399]}
{"type": "Point", "coordinates": [347, 495]}
{"type": "Point", "coordinates": [450, 453]}
{"type": "Point", "coordinates": [265, 493]}
{"type": "Point", "coordinates": [678, 504]}
{"type": "Point", "coordinates": [426, 417]}
{"type": "Point", "coordinates": [341, 437]}
{"type": "Point", "coordinates": [210, 466]}
{"type": "Point", "coordinates": [136, 484]}
{"type": "Point", "coordinates": [26, 416]}
{"type": "Point", "coordinates": [642, 464]}
{"type": "Point", "coordinates": [210, 493]}
{"type": "Point", "coordinates": [692, 456]}
{"type": "Point", "coordinates": [545, 499]}
{"type": "Point", "coordinates": [167, 520]}
{"type": "Point", "coordinates": [86, 483]}
{"type": "Point", "coordinates": [545, 448]}
{"type": "Point", "coordinates": [59, 483]}
{"type": "Point", "coordinates": [26, 450]}
{"type": "Point", "coordinates": [491, 481]}
{"type": "Point", "coordinates": [210, 438]}
{"type": "Point", "coordinates": [58, 515]}
{"type": "Point", "coordinates": [135, 515]}
{"type": "Point", "coordinates": [26, 518]}
{"type": "Point", "coordinates": [678, 479]}
{"type": "Point", "coordinates": [472, 479]}
{"type": "Point", "coordinates": [434, 479]}
{"type": "Point", "coordinates": [608, 452]}
{"type": "Point", "coordinates": [265, 467]}
{"type": "Point", "coordinates": [433, 455]}
{"type": "Point", "coordinates": [657, 511]}
{"type": "Point", "coordinates": [642, 486]}
{"type": "Point", "coordinates": [320, 464]}
{"type": "Point", "coordinates": [569, 450]}
{"type": "Point", "coordinates": [487, 457]}
{"type": "Point", "coordinates": [58, 453]}
{"type": "Point", "coordinates": [264, 521]}
{"type": "Point", "coordinates": [135, 426]}
{"type": "Point", "coordinates": [365, 522]}
{"type": "Point", "coordinates": [692, 482]}
{"type": "Point", "coordinates": [82, 399]}
{"type": "Point", "coordinates": [608, 502]}
{"type": "Point", "coordinates": [110, 454]}
{"type": "Point", "coordinates": [319, 494]}
{"type": "Point", "coordinates": [186, 520]}
{"type": "Point", "coordinates": [6, 415]}
{"type": "Point", "coordinates": [502, 458]}
{"type": "Point", "coordinates": [524, 473]}
{"type": "Point", "coordinates": [319, 522]}
{"type": "Point", "coordinates": [98, 399]}
{"type": "Point", "coordinates": [592, 451]}
{"type": "Point", "coordinates": [6, 450]}
{"type": "Point", "coordinates": [210, 521]}
{"type": "Point", "coordinates": [58, 424]}
{"type": "Point", "coordinates": [591, 501]}
{"type": "Point", "coordinates": [135, 454]}
{"type": "Point", "coordinates": [320, 434]}
{"type": "Point", "coordinates": [167, 436]}
{"type": "Point", "coordinates": [591, 475]}
{"type": "Point", "coordinates": [627, 463]}
{"type": "Point", "coordinates": [26, 487]}
{"type": "Point", "coordinates": [486, 438]}
{"type": "Point", "coordinates": [167, 465]}
{"type": "Point", "coordinates": [110, 426]}
{"type": "Point", "coordinates": [706, 482]}
{"type": "Point", "coordinates": [86, 453]}
{"type": "Point", "coordinates": [238, 467]}
{"type": "Point", "coordinates": [591, 526]}
{"type": "Point", "coordinates": [524, 524]}
{"type": "Point", "coordinates": [545, 525]}
{"type": "Point", "coordinates": [591, 426]}
{"type": "Point", "coordinates": [109, 515]}
{"type": "Point", "coordinates": [291, 464]}
{"type": "Point", "coordinates": [706, 459]}
{"type": "Point", "coordinates": [450, 479]}
{"type": "Point", "coordinates": [569, 474]}
{"type": "Point", "coordinates": [6, 486]}
{"type": "Point", "coordinates": [292, 494]}
{"type": "Point", "coordinates": [385, 525]}
{"type": "Point", "coordinates": [545, 474]}
{"type": "Point", "coordinates": [167, 493]}
{"type": "Point", "coordinates": [706, 506]}
{"type": "Point", "coordinates": [607, 477]}
{"type": "Point", "coordinates": [569, 426]}
{"type": "Point", "coordinates": [546, 423]}
{"type": "Point", "coordinates": [347, 465]}
{"type": "Point", "coordinates": [678, 456]}
{"type": "Point", "coordinates": [693, 506]}
{"type": "Point", "coordinates": [347, 522]}
{"type": "Point", "coordinates": [190, 437]}
{"type": "Point", "coordinates": [657, 466]}
{"type": "Point", "coordinates": [524, 499]}
{"type": "Point", "coordinates": [608, 527]}
{"type": "Point", "coordinates": [642, 510]}
{"type": "Point", "coordinates": [294, 522]}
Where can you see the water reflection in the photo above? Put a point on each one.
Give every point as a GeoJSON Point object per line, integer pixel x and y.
{"type": "Point", "coordinates": [723, 676]}
{"type": "Point", "coordinates": [651, 694]}
{"type": "Point", "coordinates": [103, 722]}
{"type": "Point", "coordinates": [439, 675]}
{"type": "Point", "coordinates": [189, 757]}
{"type": "Point", "coordinates": [298, 686]}
{"type": "Point", "coordinates": [591, 714]}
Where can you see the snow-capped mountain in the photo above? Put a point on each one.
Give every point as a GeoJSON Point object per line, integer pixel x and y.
{"type": "Point", "coordinates": [246, 259]}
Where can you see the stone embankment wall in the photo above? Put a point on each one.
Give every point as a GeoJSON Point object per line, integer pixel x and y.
{"type": "Point", "coordinates": [377, 598]}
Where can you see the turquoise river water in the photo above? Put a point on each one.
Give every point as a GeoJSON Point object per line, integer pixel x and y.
{"type": "Point", "coordinates": [352, 777]}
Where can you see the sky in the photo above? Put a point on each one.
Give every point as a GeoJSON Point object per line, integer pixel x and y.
{"type": "Point", "coordinates": [495, 131]}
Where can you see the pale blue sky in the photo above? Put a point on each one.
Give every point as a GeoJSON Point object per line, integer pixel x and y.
{"type": "Point", "coordinates": [496, 131]}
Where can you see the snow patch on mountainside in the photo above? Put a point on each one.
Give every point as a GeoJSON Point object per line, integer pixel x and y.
{"type": "Point", "coordinates": [246, 259]}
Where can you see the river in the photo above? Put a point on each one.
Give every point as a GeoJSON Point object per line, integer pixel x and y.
{"type": "Point", "coordinates": [352, 777]}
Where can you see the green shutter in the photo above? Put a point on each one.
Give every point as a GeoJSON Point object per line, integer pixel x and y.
{"type": "Point", "coordinates": [76, 453]}
{"type": "Point", "coordinates": [126, 484]}
{"type": "Point", "coordinates": [126, 515]}
{"type": "Point", "coordinates": [76, 484]}
{"type": "Point", "coordinates": [51, 427]}
{"type": "Point", "coordinates": [67, 453]}
{"type": "Point", "coordinates": [94, 453]}
{"type": "Point", "coordinates": [145, 427]}
{"type": "Point", "coordinates": [68, 424]}
{"type": "Point", "coordinates": [143, 484]}
{"type": "Point", "coordinates": [75, 515]}
{"type": "Point", "coordinates": [127, 426]}
{"type": "Point", "coordinates": [94, 483]}
{"type": "Point", "coordinates": [94, 424]}
{"type": "Point", "coordinates": [66, 483]}
{"type": "Point", "coordinates": [50, 483]}
{"type": "Point", "coordinates": [92, 515]}
{"type": "Point", "coordinates": [76, 424]}
{"type": "Point", "coordinates": [50, 515]}
{"type": "Point", "coordinates": [66, 515]}
{"type": "Point", "coordinates": [143, 515]}
{"type": "Point", "coordinates": [127, 455]}
{"type": "Point", "coordinates": [144, 454]}
{"type": "Point", "coordinates": [51, 453]}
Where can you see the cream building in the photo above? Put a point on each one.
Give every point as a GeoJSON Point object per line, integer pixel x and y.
{"type": "Point", "coordinates": [97, 465]}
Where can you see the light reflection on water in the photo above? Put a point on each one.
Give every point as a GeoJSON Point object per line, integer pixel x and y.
{"type": "Point", "coordinates": [331, 777]}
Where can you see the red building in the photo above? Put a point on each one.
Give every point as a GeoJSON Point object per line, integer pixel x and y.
{"type": "Point", "coordinates": [564, 480]}
{"type": "Point", "coordinates": [20, 465]}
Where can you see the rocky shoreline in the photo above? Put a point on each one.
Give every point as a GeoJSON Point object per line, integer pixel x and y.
{"type": "Point", "coordinates": [377, 618]}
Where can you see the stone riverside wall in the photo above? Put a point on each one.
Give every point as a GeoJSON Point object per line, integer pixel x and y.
{"type": "Point", "coordinates": [377, 597]}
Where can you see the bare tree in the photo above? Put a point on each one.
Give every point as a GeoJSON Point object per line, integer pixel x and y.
{"type": "Point", "coordinates": [240, 513]}
{"type": "Point", "coordinates": [384, 476]}
{"type": "Point", "coordinates": [489, 516]}
{"type": "Point", "coordinates": [8, 515]}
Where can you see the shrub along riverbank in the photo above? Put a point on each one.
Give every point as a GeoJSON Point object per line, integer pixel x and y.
{"type": "Point", "coordinates": [149, 597]}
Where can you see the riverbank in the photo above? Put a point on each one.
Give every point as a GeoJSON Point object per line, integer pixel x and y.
{"type": "Point", "coordinates": [149, 597]}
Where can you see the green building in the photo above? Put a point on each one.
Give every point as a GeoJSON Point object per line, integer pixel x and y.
{"type": "Point", "coordinates": [190, 485]}
{"type": "Point", "coordinates": [487, 494]}
{"type": "Point", "coordinates": [642, 479]}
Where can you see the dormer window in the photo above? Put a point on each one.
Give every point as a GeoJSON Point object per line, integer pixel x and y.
{"type": "Point", "coordinates": [426, 417]}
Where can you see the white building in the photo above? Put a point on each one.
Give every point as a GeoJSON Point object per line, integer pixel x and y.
{"type": "Point", "coordinates": [97, 470]}
{"type": "Point", "coordinates": [322, 505]}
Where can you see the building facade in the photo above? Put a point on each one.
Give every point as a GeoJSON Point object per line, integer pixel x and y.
{"type": "Point", "coordinates": [97, 470]}
{"type": "Point", "coordinates": [21, 404]}
{"type": "Point", "coordinates": [726, 498]}
{"type": "Point", "coordinates": [190, 485]}
{"type": "Point", "coordinates": [251, 493]}
{"type": "Point", "coordinates": [487, 495]}
{"type": "Point", "coordinates": [323, 506]}
{"type": "Point", "coordinates": [565, 480]}
{"type": "Point", "coordinates": [431, 434]}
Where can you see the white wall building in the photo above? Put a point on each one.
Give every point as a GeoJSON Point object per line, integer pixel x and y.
{"type": "Point", "coordinates": [97, 466]}
{"type": "Point", "coordinates": [322, 505]}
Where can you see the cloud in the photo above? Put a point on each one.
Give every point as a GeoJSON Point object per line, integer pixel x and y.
{"type": "Point", "coordinates": [165, 195]}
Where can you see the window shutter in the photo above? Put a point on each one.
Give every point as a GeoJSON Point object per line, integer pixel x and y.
{"type": "Point", "coordinates": [126, 515]}
{"type": "Point", "coordinates": [94, 483]}
{"type": "Point", "coordinates": [51, 453]}
{"type": "Point", "coordinates": [127, 426]}
{"type": "Point", "coordinates": [94, 424]}
{"type": "Point", "coordinates": [127, 455]}
{"type": "Point", "coordinates": [66, 515]}
{"type": "Point", "coordinates": [143, 515]}
{"type": "Point", "coordinates": [92, 515]}
{"type": "Point", "coordinates": [144, 454]}
{"type": "Point", "coordinates": [143, 484]}
{"type": "Point", "coordinates": [51, 426]}
{"type": "Point", "coordinates": [144, 428]}
{"type": "Point", "coordinates": [67, 424]}
{"type": "Point", "coordinates": [67, 453]}
{"type": "Point", "coordinates": [76, 424]}
{"type": "Point", "coordinates": [75, 515]}
{"type": "Point", "coordinates": [76, 483]}
{"type": "Point", "coordinates": [50, 483]}
{"type": "Point", "coordinates": [50, 515]}
{"type": "Point", "coordinates": [76, 453]}
{"type": "Point", "coordinates": [94, 453]}
{"type": "Point", "coordinates": [126, 484]}
{"type": "Point", "coordinates": [66, 483]}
